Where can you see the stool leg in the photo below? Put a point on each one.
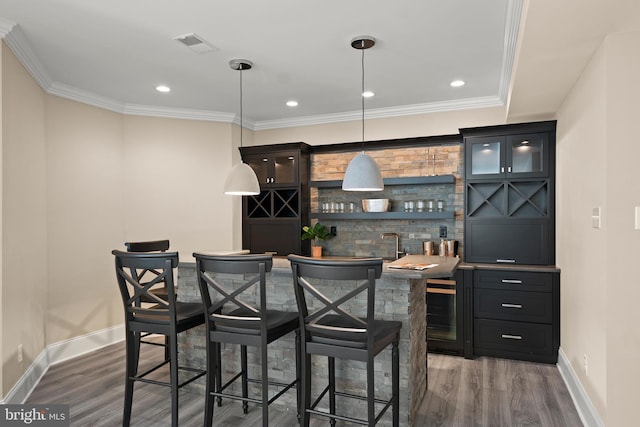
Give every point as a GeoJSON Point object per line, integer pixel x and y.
{"type": "Point", "coordinates": [298, 377]}
{"type": "Point", "coordinates": [212, 378]}
{"type": "Point", "coordinates": [132, 352]}
{"type": "Point", "coordinates": [173, 372]}
{"type": "Point", "coordinates": [264, 382]}
{"type": "Point", "coordinates": [305, 384]}
{"type": "Point", "coordinates": [245, 382]}
{"type": "Point", "coordinates": [332, 389]}
{"type": "Point", "coordinates": [371, 394]}
{"type": "Point", "coordinates": [395, 383]}
{"type": "Point", "coordinates": [218, 350]}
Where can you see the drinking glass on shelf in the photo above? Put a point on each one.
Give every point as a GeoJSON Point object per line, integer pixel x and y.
{"type": "Point", "coordinates": [408, 206]}
{"type": "Point", "coordinates": [440, 205]}
{"type": "Point", "coordinates": [420, 205]}
{"type": "Point", "coordinates": [430, 205]}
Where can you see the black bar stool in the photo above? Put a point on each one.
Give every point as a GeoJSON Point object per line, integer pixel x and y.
{"type": "Point", "coordinates": [160, 290]}
{"type": "Point", "coordinates": [329, 330]}
{"type": "Point", "coordinates": [164, 316]}
{"type": "Point", "coordinates": [230, 319]}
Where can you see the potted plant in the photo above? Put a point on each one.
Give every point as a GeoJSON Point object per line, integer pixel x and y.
{"type": "Point", "coordinates": [316, 233]}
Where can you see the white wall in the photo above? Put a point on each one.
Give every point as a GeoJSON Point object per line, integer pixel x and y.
{"type": "Point", "coordinates": [598, 167]}
{"type": "Point", "coordinates": [174, 173]}
{"type": "Point", "coordinates": [623, 241]}
{"type": "Point", "coordinates": [24, 219]}
{"type": "Point", "coordinates": [84, 217]}
{"type": "Point", "coordinates": [581, 186]}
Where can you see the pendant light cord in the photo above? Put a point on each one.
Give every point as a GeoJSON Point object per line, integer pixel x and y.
{"type": "Point", "coordinates": [241, 105]}
{"type": "Point", "coordinates": [362, 96]}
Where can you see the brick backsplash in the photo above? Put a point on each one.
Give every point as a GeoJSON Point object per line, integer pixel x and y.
{"type": "Point", "coordinates": [362, 237]}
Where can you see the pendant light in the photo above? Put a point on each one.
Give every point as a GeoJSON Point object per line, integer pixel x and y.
{"type": "Point", "coordinates": [362, 172]}
{"type": "Point", "coordinates": [242, 180]}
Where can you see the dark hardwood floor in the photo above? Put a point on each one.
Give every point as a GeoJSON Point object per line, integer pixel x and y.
{"type": "Point", "coordinates": [483, 392]}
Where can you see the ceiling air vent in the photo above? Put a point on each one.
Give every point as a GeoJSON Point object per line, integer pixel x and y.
{"type": "Point", "coordinates": [195, 43]}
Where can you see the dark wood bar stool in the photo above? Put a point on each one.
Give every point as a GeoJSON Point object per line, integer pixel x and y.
{"type": "Point", "coordinates": [164, 316]}
{"type": "Point", "coordinates": [230, 318]}
{"type": "Point", "coordinates": [160, 290]}
{"type": "Point", "coordinates": [329, 330]}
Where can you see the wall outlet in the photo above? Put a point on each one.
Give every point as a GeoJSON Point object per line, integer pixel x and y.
{"type": "Point", "coordinates": [333, 230]}
{"type": "Point", "coordinates": [586, 365]}
{"type": "Point", "coordinates": [20, 353]}
{"type": "Point", "coordinates": [443, 231]}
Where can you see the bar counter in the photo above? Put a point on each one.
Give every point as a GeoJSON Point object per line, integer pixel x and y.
{"type": "Point", "coordinates": [400, 295]}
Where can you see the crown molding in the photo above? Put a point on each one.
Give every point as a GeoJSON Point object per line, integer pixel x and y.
{"type": "Point", "coordinates": [21, 49]}
{"type": "Point", "coordinates": [178, 113]}
{"type": "Point", "coordinates": [405, 110]}
{"type": "Point", "coordinates": [514, 13]}
{"type": "Point", "coordinates": [5, 27]}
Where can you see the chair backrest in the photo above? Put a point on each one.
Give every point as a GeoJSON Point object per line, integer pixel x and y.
{"type": "Point", "coordinates": [150, 246]}
{"type": "Point", "coordinates": [226, 306]}
{"type": "Point", "coordinates": [135, 289]}
{"type": "Point", "coordinates": [322, 286]}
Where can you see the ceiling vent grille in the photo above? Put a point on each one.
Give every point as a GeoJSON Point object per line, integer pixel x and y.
{"type": "Point", "coordinates": [195, 43]}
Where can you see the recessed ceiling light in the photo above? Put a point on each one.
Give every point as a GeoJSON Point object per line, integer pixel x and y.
{"type": "Point", "coordinates": [292, 103]}
{"type": "Point", "coordinates": [368, 94]}
{"type": "Point", "coordinates": [457, 83]}
{"type": "Point", "coordinates": [163, 88]}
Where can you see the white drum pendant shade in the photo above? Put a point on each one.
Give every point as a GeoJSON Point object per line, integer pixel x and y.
{"type": "Point", "coordinates": [241, 181]}
{"type": "Point", "coordinates": [362, 175]}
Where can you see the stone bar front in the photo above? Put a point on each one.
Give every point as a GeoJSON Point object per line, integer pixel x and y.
{"type": "Point", "coordinates": [400, 295]}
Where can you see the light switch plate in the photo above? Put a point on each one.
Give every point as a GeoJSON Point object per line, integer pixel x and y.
{"type": "Point", "coordinates": [637, 225]}
{"type": "Point", "coordinates": [595, 218]}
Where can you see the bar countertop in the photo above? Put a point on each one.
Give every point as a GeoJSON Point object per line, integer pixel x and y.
{"type": "Point", "coordinates": [446, 266]}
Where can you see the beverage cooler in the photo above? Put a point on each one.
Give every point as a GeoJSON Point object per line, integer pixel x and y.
{"type": "Point", "coordinates": [446, 315]}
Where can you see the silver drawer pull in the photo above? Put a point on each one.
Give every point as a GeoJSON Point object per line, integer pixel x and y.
{"type": "Point", "coordinates": [505, 305]}
{"type": "Point", "coordinates": [516, 282]}
{"type": "Point", "coordinates": [506, 260]}
{"type": "Point", "coordinates": [511, 337]}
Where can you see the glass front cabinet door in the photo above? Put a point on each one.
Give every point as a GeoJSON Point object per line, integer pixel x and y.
{"type": "Point", "coordinates": [275, 170]}
{"type": "Point", "coordinates": [512, 156]}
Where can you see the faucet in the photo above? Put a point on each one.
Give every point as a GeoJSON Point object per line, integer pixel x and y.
{"type": "Point", "coordinates": [398, 251]}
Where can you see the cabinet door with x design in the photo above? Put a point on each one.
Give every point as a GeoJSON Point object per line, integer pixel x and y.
{"type": "Point", "coordinates": [509, 210]}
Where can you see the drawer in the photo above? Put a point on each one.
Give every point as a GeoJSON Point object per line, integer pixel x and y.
{"type": "Point", "coordinates": [513, 280]}
{"type": "Point", "coordinates": [513, 305]}
{"type": "Point", "coordinates": [501, 335]}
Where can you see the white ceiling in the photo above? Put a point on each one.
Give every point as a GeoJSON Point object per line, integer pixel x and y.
{"type": "Point", "coordinates": [113, 53]}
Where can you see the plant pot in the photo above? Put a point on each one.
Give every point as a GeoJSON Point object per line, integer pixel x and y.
{"type": "Point", "coordinates": [316, 251]}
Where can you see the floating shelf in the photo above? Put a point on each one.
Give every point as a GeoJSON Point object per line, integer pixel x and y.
{"type": "Point", "coordinates": [384, 215]}
{"type": "Point", "coordinates": [410, 180]}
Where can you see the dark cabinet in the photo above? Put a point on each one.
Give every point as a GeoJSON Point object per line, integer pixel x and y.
{"type": "Point", "coordinates": [279, 169]}
{"type": "Point", "coordinates": [272, 220]}
{"type": "Point", "coordinates": [516, 314]}
{"type": "Point", "coordinates": [510, 194]}
{"type": "Point", "coordinates": [511, 156]}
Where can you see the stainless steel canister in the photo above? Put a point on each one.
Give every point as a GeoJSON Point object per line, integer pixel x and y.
{"type": "Point", "coordinates": [442, 250]}
{"type": "Point", "coordinates": [452, 248]}
{"type": "Point", "coordinates": [427, 248]}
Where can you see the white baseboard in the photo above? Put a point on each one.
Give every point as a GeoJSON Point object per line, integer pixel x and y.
{"type": "Point", "coordinates": [59, 352]}
{"type": "Point", "coordinates": [587, 412]}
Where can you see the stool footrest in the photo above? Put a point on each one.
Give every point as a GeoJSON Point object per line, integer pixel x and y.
{"type": "Point", "coordinates": [387, 404]}
{"type": "Point", "coordinates": [286, 387]}
{"type": "Point", "coordinates": [199, 373]}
